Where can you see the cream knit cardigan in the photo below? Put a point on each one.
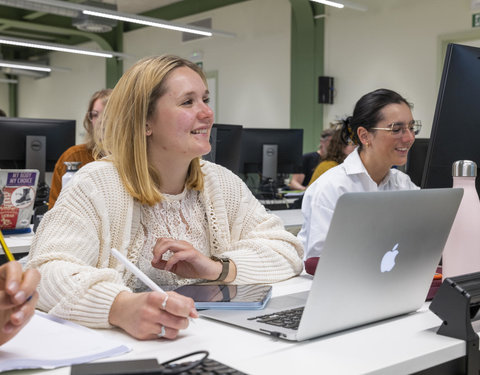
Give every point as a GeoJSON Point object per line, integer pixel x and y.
{"type": "Point", "coordinates": [71, 249]}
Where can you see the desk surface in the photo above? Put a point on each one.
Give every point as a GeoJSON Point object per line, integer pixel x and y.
{"type": "Point", "coordinates": [19, 243]}
{"type": "Point", "coordinates": [396, 346]}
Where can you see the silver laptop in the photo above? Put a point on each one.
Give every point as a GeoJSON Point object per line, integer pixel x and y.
{"type": "Point", "coordinates": [379, 259]}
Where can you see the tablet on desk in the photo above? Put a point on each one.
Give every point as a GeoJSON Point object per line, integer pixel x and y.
{"type": "Point", "coordinates": [228, 297]}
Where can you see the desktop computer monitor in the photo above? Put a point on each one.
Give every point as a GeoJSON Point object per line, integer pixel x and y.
{"type": "Point", "coordinates": [271, 152]}
{"type": "Point", "coordinates": [456, 123]}
{"type": "Point", "coordinates": [417, 156]}
{"type": "Point", "coordinates": [34, 143]}
{"type": "Point", "coordinates": [226, 142]}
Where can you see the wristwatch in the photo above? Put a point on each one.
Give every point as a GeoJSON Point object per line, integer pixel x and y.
{"type": "Point", "coordinates": [225, 267]}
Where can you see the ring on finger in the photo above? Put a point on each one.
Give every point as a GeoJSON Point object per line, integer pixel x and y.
{"type": "Point", "coordinates": [164, 303]}
{"type": "Point", "coordinates": [162, 332]}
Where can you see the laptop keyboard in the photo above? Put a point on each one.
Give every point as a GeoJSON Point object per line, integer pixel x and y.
{"type": "Point", "coordinates": [286, 318]}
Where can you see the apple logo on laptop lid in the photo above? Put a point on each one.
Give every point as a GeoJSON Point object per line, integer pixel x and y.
{"type": "Point", "coordinates": [388, 260]}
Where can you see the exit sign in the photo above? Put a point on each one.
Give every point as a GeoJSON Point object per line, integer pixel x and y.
{"type": "Point", "coordinates": [476, 20]}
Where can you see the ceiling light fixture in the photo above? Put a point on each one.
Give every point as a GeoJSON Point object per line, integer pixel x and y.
{"type": "Point", "coordinates": [133, 18]}
{"type": "Point", "coordinates": [5, 64]}
{"type": "Point", "coordinates": [58, 47]}
{"type": "Point", "coordinates": [330, 3]}
{"type": "Point", "coordinates": [5, 80]}
{"type": "Point", "coordinates": [25, 65]}
{"type": "Point", "coordinates": [343, 4]}
{"type": "Point", "coordinates": [147, 21]}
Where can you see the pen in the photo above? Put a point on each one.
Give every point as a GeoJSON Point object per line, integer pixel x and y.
{"type": "Point", "coordinates": [5, 248]}
{"type": "Point", "coordinates": [136, 271]}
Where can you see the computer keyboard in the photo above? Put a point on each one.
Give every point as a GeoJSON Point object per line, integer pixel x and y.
{"type": "Point", "coordinates": [207, 366]}
{"type": "Point", "coordinates": [277, 204]}
{"type": "Point", "coordinates": [286, 318]}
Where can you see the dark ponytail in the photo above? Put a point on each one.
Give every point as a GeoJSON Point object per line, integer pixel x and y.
{"type": "Point", "coordinates": [368, 112]}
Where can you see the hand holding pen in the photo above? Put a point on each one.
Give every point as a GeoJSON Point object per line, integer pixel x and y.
{"type": "Point", "coordinates": [18, 295]}
{"type": "Point", "coordinates": [151, 315]}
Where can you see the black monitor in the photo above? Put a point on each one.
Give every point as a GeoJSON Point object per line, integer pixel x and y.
{"type": "Point", "coordinates": [270, 152]}
{"type": "Point", "coordinates": [226, 141]}
{"type": "Point", "coordinates": [417, 156]}
{"type": "Point", "coordinates": [46, 139]}
{"type": "Point", "coordinates": [456, 123]}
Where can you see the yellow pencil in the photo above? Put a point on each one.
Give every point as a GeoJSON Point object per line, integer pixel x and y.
{"type": "Point", "coordinates": [5, 248]}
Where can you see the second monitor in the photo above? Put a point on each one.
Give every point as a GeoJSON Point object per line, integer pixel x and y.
{"type": "Point", "coordinates": [270, 152]}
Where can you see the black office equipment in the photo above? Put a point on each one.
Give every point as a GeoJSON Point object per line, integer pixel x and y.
{"type": "Point", "coordinates": [289, 147]}
{"type": "Point", "coordinates": [456, 123]}
{"type": "Point", "coordinates": [226, 142]}
{"type": "Point", "coordinates": [416, 159]}
{"type": "Point", "coordinates": [269, 155]}
{"type": "Point", "coordinates": [179, 365]}
{"type": "Point", "coordinates": [457, 303]}
{"type": "Point", "coordinates": [34, 143]}
{"type": "Point", "coordinates": [325, 90]}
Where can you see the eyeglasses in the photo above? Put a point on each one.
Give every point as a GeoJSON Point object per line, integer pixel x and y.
{"type": "Point", "coordinates": [397, 129]}
{"type": "Point", "coordinates": [92, 115]}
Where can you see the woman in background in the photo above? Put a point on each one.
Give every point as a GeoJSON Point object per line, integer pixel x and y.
{"type": "Point", "coordinates": [383, 127]}
{"type": "Point", "coordinates": [300, 181]}
{"type": "Point", "coordinates": [83, 153]}
{"type": "Point", "coordinates": [338, 149]}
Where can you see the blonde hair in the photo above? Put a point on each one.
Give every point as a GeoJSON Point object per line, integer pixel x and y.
{"type": "Point", "coordinates": [124, 142]}
{"type": "Point", "coordinates": [90, 138]}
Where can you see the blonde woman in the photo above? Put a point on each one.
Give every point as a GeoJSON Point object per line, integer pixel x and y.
{"type": "Point", "coordinates": [178, 218]}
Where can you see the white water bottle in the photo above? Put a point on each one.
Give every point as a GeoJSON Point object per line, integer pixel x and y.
{"type": "Point", "coordinates": [72, 167]}
{"type": "Point", "coordinates": [461, 254]}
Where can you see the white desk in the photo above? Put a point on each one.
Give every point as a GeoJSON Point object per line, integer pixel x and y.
{"type": "Point", "coordinates": [292, 219]}
{"type": "Point", "coordinates": [401, 345]}
{"type": "Point", "coordinates": [19, 243]}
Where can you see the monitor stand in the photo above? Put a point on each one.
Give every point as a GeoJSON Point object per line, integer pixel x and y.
{"type": "Point", "coordinates": [35, 154]}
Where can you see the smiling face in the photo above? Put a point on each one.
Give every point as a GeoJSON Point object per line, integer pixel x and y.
{"type": "Point", "coordinates": [382, 146]}
{"type": "Point", "coordinates": [179, 128]}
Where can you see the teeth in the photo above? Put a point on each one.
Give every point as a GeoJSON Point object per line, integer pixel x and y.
{"type": "Point", "coordinates": [201, 131]}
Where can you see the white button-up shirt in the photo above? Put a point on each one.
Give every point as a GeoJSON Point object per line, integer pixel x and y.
{"type": "Point", "coordinates": [321, 197]}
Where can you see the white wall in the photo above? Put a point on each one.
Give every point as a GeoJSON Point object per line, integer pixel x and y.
{"type": "Point", "coordinates": [253, 68]}
{"type": "Point", "coordinates": [392, 45]}
{"type": "Point", "coordinates": [63, 95]}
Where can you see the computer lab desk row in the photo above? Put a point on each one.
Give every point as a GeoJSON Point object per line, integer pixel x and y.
{"type": "Point", "coordinates": [403, 345]}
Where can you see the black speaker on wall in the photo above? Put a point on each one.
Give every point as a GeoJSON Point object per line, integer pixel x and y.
{"type": "Point", "coordinates": [325, 90]}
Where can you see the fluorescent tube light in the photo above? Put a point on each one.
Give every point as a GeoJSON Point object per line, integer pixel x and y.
{"type": "Point", "coordinates": [6, 80]}
{"type": "Point", "coordinates": [147, 22]}
{"type": "Point", "coordinates": [24, 66]}
{"type": "Point", "coordinates": [133, 18]}
{"type": "Point", "coordinates": [330, 3]}
{"type": "Point", "coordinates": [342, 4]}
{"type": "Point", "coordinates": [57, 47]}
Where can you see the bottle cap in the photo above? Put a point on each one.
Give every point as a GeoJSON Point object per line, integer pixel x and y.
{"type": "Point", "coordinates": [464, 168]}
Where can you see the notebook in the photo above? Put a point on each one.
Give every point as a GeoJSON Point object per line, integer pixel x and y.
{"type": "Point", "coordinates": [49, 342]}
{"type": "Point", "coordinates": [379, 258]}
{"type": "Point", "coordinates": [18, 188]}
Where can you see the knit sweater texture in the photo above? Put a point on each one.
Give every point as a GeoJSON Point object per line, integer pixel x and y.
{"type": "Point", "coordinates": [94, 213]}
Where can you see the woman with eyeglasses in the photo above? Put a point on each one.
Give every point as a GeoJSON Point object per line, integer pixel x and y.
{"type": "Point", "coordinates": [383, 127]}
{"type": "Point", "coordinates": [83, 153]}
